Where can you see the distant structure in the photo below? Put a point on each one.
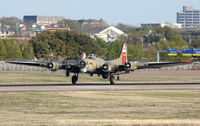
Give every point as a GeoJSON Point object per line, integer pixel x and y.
{"type": "Point", "coordinates": [190, 17]}
{"type": "Point", "coordinates": [41, 20]}
{"type": "Point", "coordinates": [154, 25]}
{"type": "Point", "coordinates": [92, 26]}
{"type": "Point", "coordinates": [57, 29]}
{"type": "Point", "coordinates": [110, 34]}
{"type": "Point", "coordinates": [5, 34]}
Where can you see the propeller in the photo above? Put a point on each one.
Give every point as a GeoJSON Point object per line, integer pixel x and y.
{"type": "Point", "coordinates": [127, 66]}
{"type": "Point", "coordinates": [105, 67]}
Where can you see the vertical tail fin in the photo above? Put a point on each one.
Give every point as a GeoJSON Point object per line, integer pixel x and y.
{"type": "Point", "coordinates": [124, 53]}
{"type": "Point", "coordinates": [83, 56]}
{"type": "Point", "coordinates": [123, 56]}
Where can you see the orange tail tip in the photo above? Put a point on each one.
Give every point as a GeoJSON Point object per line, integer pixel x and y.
{"type": "Point", "coordinates": [124, 53]}
{"type": "Point", "coordinates": [83, 55]}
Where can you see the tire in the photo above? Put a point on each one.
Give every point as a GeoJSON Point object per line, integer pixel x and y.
{"type": "Point", "coordinates": [112, 80]}
{"type": "Point", "coordinates": [74, 79]}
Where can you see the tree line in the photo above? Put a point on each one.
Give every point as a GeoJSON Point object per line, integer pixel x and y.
{"type": "Point", "coordinates": [69, 44]}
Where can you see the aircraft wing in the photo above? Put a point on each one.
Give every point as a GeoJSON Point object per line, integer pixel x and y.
{"type": "Point", "coordinates": [71, 65]}
{"type": "Point", "coordinates": [53, 65]}
{"type": "Point", "coordinates": [144, 65]}
{"type": "Point", "coordinates": [30, 63]}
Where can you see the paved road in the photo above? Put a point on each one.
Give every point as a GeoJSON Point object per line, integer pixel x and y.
{"type": "Point", "coordinates": [97, 87]}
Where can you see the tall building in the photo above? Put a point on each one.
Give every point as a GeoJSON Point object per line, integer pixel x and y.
{"type": "Point", "coordinates": [189, 17]}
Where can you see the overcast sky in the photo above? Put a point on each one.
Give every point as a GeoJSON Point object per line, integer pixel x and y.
{"type": "Point", "coordinates": [133, 12]}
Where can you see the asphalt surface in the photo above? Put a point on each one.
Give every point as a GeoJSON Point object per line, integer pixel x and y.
{"type": "Point", "coordinates": [97, 87]}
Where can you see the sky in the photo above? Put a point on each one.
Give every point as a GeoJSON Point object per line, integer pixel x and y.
{"type": "Point", "coordinates": [132, 12]}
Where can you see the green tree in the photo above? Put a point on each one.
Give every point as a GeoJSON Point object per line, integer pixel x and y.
{"type": "Point", "coordinates": [3, 52]}
{"type": "Point", "coordinates": [114, 49]}
{"type": "Point", "coordinates": [151, 53]}
{"type": "Point", "coordinates": [169, 33]}
{"type": "Point", "coordinates": [13, 49]}
{"type": "Point", "coordinates": [67, 44]}
{"type": "Point", "coordinates": [27, 50]}
{"type": "Point", "coordinates": [103, 45]}
{"type": "Point", "coordinates": [136, 52]}
{"type": "Point", "coordinates": [195, 43]}
{"type": "Point", "coordinates": [176, 42]}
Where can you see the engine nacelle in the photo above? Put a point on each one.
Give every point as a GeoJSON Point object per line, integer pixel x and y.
{"type": "Point", "coordinates": [54, 66]}
{"type": "Point", "coordinates": [127, 66]}
{"type": "Point", "coordinates": [81, 64]}
{"type": "Point", "coordinates": [106, 68]}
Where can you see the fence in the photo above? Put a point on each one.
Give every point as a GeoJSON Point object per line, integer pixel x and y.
{"type": "Point", "coordinates": [192, 66]}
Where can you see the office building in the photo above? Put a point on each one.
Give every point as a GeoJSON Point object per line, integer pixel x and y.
{"type": "Point", "coordinates": [189, 17]}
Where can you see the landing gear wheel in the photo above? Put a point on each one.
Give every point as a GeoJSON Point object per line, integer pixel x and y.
{"type": "Point", "coordinates": [112, 80]}
{"type": "Point", "coordinates": [74, 79]}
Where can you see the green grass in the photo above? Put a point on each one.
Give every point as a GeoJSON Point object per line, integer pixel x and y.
{"type": "Point", "coordinates": [35, 77]}
{"type": "Point", "coordinates": [102, 108]}
{"type": "Point", "coordinates": [48, 77]}
{"type": "Point", "coordinates": [158, 79]}
{"type": "Point", "coordinates": [186, 95]}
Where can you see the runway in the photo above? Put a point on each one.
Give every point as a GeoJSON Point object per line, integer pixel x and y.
{"type": "Point", "coordinates": [97, 87]}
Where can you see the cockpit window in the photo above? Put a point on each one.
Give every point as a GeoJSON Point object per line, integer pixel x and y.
{"type": "Point", "coordinates": [91, 55]}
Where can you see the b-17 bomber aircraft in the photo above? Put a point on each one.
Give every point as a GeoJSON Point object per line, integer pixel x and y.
{"type": "Point", "coordinates": [94, 65]}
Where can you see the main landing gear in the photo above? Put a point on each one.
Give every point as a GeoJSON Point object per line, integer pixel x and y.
{"type": "Point", "coordinates": [74, 78]}
{"type": "Point", "coordinates": [112, 79]}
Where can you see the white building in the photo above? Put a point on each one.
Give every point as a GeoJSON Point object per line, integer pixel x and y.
{"type": "Point", "coordinates": [110, 34]}
{"type": "Point", "coordinates": [171, 25]}
{"type": "Point", "coordinates": [154, 25]}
